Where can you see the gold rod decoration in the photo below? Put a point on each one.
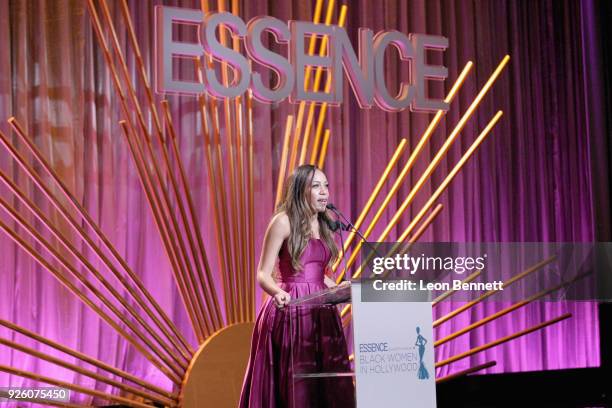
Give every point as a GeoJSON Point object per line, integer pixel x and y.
{"type": "Point", "coordinates": [452, 137]}
{"type": "Point", "coordinates": [179, 272]}
{"type": "Point", "coordinates": [316, 19]}
{"type": "Point", "coordinates": [321, 162]}
{"type": "Point", "coordinates": [197, 279]}
{"type": "Point", "coordinates": [489, 293]}
{"type": "Point", "coordinates": [432, 216]}
{"type": "Point", "coordinates": [233, 185]}
{"type": "Point", "coordinates": [502, 340]}
{"type": "Point", "coordinates": [189, 274]}
{"type": "Point", "coordinates": [169, 216]}
{"type": "Point", "coordinates": [80, 231]}
{"type": "Point", "coordinates": [507, 310]}
{"type": "Point", "coordinates": [347, 308]}
{"type": "Point", "coordinates": [84, 215]}
{"type": "Point", "coordinates": [283, 162]}
{"type": "Point", "coordinates": [300, 116]}
{"type": "Point", "coordinates": [315, 88]}
{"type": "Point", "coordinates": [381, 182]}
{"type": "Point", "coordinates": [251, 206]}
{"type": "Point", "coordinates": [166, 165]}
{"type": "Point", "coordinates": [450, 292]}
{"type": "Point", "coordinates": [466, 156]}
{"type": "Point", "coordinates": [244, 271]}
{"type": "Point", "coordinates": [87, 373]}
{"type": "Point", "coordinates": [417, 235]}
{"type": "Point", "coordinates": [38, 181]}
{"type": "Point", "coordinates": [465, 372]}
{"type": "Point", "coordinates": [71, 386]}
{"type": "Point", "coordinates": [75, 273]}
{"type": "Point", "coordinates": [212, 181]}
{"type": "Point", "coordinates": [432, 199]}
{"type": "Point", "coordinates": [434, 163]}
{"type": "Point", "coordinates": [222, 235]}
{"type": "Point", "coordinates": [140, 63]}
{"type": "Point", "coordinates": [168, 243]}
{"type": "Point", "coordinates": [318, 132]}
{"type": "Point", "coordinates": [204, 5]}
{"type": "Point", "coordinates": [87, 359]}
{"type": "Point", "coordinates": [210, 295]}
{"type": "Point", "coordinates": [230, 295]}
{"type": "Point", "coordinates": [224, 208]}
{"type": "Point", "coordinates": [70, 286]}
{"type": "Point", "coordinates": [150, 97]}
{"type": "Point", "coordinates": [241, 250]}
{"type": "Point", "coordinates": [411, 160]}
{"type": "Point", "coordinates": [74, 252]}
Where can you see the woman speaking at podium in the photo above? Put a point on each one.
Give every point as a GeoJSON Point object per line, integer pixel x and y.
{"type": "Point", "coordinates": [300, 239]}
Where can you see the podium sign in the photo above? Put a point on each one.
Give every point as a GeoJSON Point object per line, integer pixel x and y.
{"type": "Point", "coordinates": [394, 357]}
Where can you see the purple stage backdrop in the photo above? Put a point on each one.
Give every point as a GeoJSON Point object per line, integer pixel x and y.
{"type": "Point", "coordinates": [536, 178]}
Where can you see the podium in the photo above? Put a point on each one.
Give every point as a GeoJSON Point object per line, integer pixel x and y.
{"type": "Point", "coordinates": [392, 345]}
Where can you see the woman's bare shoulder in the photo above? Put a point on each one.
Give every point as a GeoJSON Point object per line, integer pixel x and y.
{"type": "Point", "coordinates": [279, 224]}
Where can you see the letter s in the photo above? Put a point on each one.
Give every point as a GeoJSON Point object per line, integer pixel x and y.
{"type": "Point", "coordinates": [216, 50]}
{"type": "Point", "coordinates": [267, 58]}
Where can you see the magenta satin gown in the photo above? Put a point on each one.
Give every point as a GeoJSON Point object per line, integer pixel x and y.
{"type": "Point", "coordinates": [319, 344]}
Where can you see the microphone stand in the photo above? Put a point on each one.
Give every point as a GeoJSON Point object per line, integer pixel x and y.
{"type": "Point", "coordinates": [349, 226]}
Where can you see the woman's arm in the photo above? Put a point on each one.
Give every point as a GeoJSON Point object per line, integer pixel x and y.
{"type": "Point", "coordinates": [277, 232]}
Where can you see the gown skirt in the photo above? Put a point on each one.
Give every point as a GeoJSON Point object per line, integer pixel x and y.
{"type": "Point", "coordinates": [318, 340]}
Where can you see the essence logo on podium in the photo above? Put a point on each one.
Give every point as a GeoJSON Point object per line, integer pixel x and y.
{"type": "Point", "coordinates": [422, 373]}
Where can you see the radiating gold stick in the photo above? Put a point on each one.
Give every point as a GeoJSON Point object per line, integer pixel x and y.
{"type": "Point", "coordinates": [251, 206]}
{"type": "Point", "coordinates": [507, 310]}
{"type": "Point", "coordinates": [65, 242]}
{"type": "Point", "coordinates": [159, 218]}
{"type": "Point", "coordinates": [172, 227]}
{"type": "Point", "coordinates": [302, 105]}
{"type": "Point", "coordinates": [465, 372]}
{"type": "Point", "coordinates": [283, 162]}
{"type": "Point", "coordinates": [222, 247]}
{"type": "Point", "coordinates": [502, 340]}
{"type": "Point", "coordinates": [209, 291]}
{"type": "Point", "coordinates": [489, 293]}
{"type": "Point", "coordinates": [194, 267]}
{"type": "Point", "coordinates": [76, 226]}
{"type": "Point", "coordinates": [233, 186]}
{"type": "Point", "coordinates": [466, 156]}
{"type": "Point", "coordinates": [88, 373]}
{"type": "Point", "coordinates": [321, 162]}
{"type": "Point", "coordinates": [87, 359]}
{"type": "Point", "coordinates": [315, 88]}
{"type": "Point", "coordinates": [401, 177]}
{"type": "Point", "coordinates": [73, 387]}
{"type": "Point", "coordinates": [87, 301]}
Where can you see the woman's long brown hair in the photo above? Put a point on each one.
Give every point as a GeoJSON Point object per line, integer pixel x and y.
{"type": "Point", "coordinates": [296, 204]}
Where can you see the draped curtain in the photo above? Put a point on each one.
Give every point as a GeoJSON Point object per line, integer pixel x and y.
{"type": "Point", "coordinates": [534, 178]}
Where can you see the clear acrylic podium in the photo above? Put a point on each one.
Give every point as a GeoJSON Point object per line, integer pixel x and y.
{"type": "Point", "coordinates": [319, 349]}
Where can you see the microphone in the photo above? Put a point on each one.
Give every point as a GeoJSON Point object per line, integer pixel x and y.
{"type": "Point", "coordinates": [349, 226]}
{"type": "Point", "coordinates": [341, 225]}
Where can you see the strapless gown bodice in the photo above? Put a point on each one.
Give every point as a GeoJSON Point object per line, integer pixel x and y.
{"type": "Point", "coordinates": [314, 259]}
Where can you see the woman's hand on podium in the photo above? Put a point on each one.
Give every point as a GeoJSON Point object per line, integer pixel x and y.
{"type": "Point", "coordinates": [344, 284]}
{"type": "Point", "coordinates": [281, 298]}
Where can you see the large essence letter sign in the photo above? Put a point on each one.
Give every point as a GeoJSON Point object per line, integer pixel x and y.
{"type": "Point", "coordinates": [365, 69]}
